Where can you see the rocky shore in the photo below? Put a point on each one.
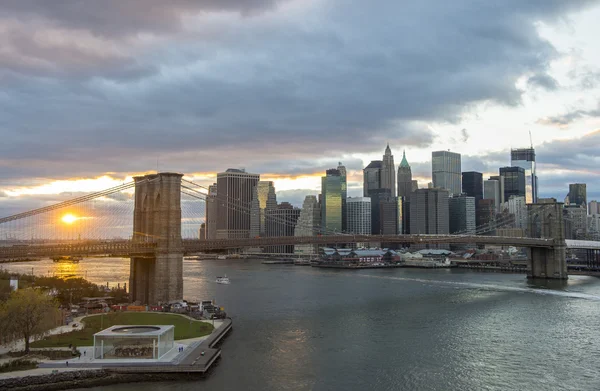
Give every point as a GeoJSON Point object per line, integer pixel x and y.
{"type": "Point", "coordinates": [81, 379]}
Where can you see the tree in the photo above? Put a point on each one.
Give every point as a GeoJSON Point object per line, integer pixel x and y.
{"type": "Point", "coordinates": [28, 313]}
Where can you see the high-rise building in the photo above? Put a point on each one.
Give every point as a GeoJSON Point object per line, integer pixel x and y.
{"type": "Point", "coordinates": [575, 222]}
{"type": "Point", "coordinates": [525, 158]}
{"type": "Point", "coordinates": [377, 196]}
{"type": "Point", "coordinates": [388, 216]}
{"type": "Point", "coordinates": [492, 191]}
{"type": "Point", "coordinates": [372, 177]}
{"type": "Point", "coordinates": [331, 203]}
{"type": "Point", "coordinates": [211, 212]}
{"type": "Point", "coordinates": [485, 212]}
{"type": "Point", "coordinates": [403, 215]}
{"type": "Point", "coordinates": [593, 207]}
{"type": "Point", "coordinates": [281, 221]}
{"type": "Point", "coordinates": [472, 184]}
{"type": "Point", "coordinates": [263, 199]}
{"type": "Point", "coordinates": [462, 214]}
{"type": "Point", "coordinates": [234, 195]}
{"type": "Point", "coordinates": [517, 206]}
{"type": "Point", "coordinates": [405, 181]}
{"type": "Point", "coordinates": [359, 215]}
{"type": "Point", "coordinates": [429, 211]}
{"type": "Point", "coordinates": [578, 194]}
{"type": "Point", "coordinates": [446, 171]}
{"type": "Point", "coordinates": [342, 170]}
{"type": "Point", "coordinates": [202, 232]}
{"type": "Point", "coordinates": [514, 181]}
{"type": "Point", "coordinates": [308, 224]}
{"type": "Point", "coordinates": [388, 172]}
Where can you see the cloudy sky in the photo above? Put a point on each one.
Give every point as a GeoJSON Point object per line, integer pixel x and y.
{"type": "Point", "coordinates": [92, 92]}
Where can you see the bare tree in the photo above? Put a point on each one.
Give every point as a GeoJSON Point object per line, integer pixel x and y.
{"type": "Point", "coordinates": [26, 314]}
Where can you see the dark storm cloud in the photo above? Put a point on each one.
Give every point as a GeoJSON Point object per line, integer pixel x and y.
{"type": "Point", "coordinates": [117, 85]}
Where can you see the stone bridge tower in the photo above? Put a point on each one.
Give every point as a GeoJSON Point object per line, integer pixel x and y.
{"type": "Point", "coordinates": [546, 221]}
{"type": "Point", "coordinates": [157, 218]}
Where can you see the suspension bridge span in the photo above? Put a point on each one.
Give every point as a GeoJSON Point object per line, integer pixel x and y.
{"type": "Point", "coordinates": [161, 235]}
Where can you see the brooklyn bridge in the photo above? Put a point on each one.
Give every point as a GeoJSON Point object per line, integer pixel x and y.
{"type": "Point", "coordinates": [162, 232]}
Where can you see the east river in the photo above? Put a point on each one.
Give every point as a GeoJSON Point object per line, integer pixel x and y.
{"type": "Point", "coordinates": [301, 328]}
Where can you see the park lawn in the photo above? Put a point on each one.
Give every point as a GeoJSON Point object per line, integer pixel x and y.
{"type": "Point", "coordinates": [184, 327]}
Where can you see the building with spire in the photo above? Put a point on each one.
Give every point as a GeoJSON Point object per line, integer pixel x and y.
{"type": "Point", "coordinates": [344, 183]}
{"type": "Point", "coordinates": [405, 181]}
{"type": "Point", "coordinates": [388, 172]}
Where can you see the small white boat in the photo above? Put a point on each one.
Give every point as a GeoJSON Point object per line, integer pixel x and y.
{"type": "Point", "coordinates": [223, 280]}
{"type": "Point", "coordinates": [222, 257]}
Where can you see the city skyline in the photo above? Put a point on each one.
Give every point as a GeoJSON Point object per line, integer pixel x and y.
{"type": "Point", "coordinates": [153, 93]}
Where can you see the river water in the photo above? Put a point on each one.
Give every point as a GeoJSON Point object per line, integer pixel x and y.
{"type": "Point", "coordinates": [302, 328]}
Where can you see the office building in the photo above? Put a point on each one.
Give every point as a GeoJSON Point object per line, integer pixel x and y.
{"type": "Point", "coordinates": [234, 195]}
{"type": "Point", "coordinates": [263, 199]}
{"type": "Point", "coordinates": [372, 177]}
{"type": "Point", "coordinates": [578, 194]}
{"type": "Point", "coordinates": [462, 214]}
{"type": "Point", "coordinates": [211, 212]}
{"type": "Point", "coordinates": [388, 215]}
{"type": "Point", "coordinates": [517, 206]}
{"type": "Point", "coordinates": [377, 196]}
{"type": "Point", "coordinates": [446, 171]}
{"type": "Point", "coordinates": [525, 158]}
{"type": "Point", "coordinates": [344, 182]}
{"type": "Point", "coordinates": [331, 202]}
{"type": "Point", "coordinates": [575, 218]}
{"type": "Point", "coordinates": [281, 221]}
{"type": "Point", "coordinates": [388, 172]}
{"type": "Point", "coordinates": [485, 213]}
{"type": "Point", "coordinates": [308, 224]}
{"type": "Point", "coordinates": [359, 215]}
{"type": "Point", "coordinates": [514, 181]}
{"type": "Point", "coordinates": [406, 185]}
{"type": "Point", "coordinates": [202, 232]}
{"type": "Point", "coordinates": [472, 184]}
{"type": "Point", "coordinates": [593, 207]}
{"type": "Point", "coordinates": [403, 215]}
{"type": "Point", "coordinates": [429, 212]}
{"type": "Point", "coordinates": [493, 191]}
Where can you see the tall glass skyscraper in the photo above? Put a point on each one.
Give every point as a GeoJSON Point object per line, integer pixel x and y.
{"type": "Point", "coordinates": [525, 158]}
{"type": "Point", "coordinates": [578, 194]}
{"type": "Point", "coordinates": [331, 201]}
{"type": "Point", "coordinates": [446, 171]}
{"type": "Point", "coordinates": [308, 224]}
{"type": "Point", "coordinates": [514, 182]}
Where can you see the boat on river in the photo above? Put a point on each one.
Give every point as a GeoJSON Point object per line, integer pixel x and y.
{"type": "Point", "coordinates": [223, 280]}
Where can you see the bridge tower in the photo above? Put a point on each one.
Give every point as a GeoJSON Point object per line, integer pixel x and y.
{"type": "Point", "coordinates": [546, 221]}
{"type": "Point", "coordinates": [157, 218]}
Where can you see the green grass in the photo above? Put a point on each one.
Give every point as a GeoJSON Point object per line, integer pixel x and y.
{"type": "Point", "coordinates": [184, 327]}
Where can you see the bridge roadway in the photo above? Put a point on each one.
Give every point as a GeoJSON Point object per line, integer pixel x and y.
{"type": "Point", "coordinates": [140, 249]}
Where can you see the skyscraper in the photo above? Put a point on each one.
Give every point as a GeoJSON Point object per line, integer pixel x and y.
{"type": "Point", "coordinates": [462, 214]}
{"type": "Point", "coordinates": [372, 177]}
{"type": "Point", "coordinates": [446, 171]}
{"type": "Point", "coordinates": [211, 212]}
{"type": "Point", "coordinates": [405, 181]}
{"type": "Point", "coordinates": [514, 181]}
{"type": "Point", "coordinates": [492, 191]}
{"type": "Point", "coordinates": [525, 158]}
{"type": "Point", "coordinates": [281, 221]}
{"type": "Point", "coordinates": [472, 184]}
{"type": "Point", "coordinates": [331, 203]}
{"type": "Point", "coordinates": [578, 194]}
{"type": "Point", "coordinates": [342, 171]}
{"type": "Point", "coordinates": [234, 196]}
{"type": "Point", "coordinates": [388, 216]}
{"type": "Point", "coordinates": [429, 211]}
{"type": "Point", "coordinates": [359, 215]}
{"type": "Point", "coordinates": [593, 207]}
{"type": "Point", "coordinates": [308, 224]}
{"type": "Point", "coordinates": [517, 206]}
{"type": "Point", "coordinates": [388, 172]}
{"type": "Point", "coordinates": [263, 199]}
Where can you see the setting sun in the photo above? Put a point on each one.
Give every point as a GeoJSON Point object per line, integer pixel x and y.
{"type": "Point", "coordinates": [69, 219]}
